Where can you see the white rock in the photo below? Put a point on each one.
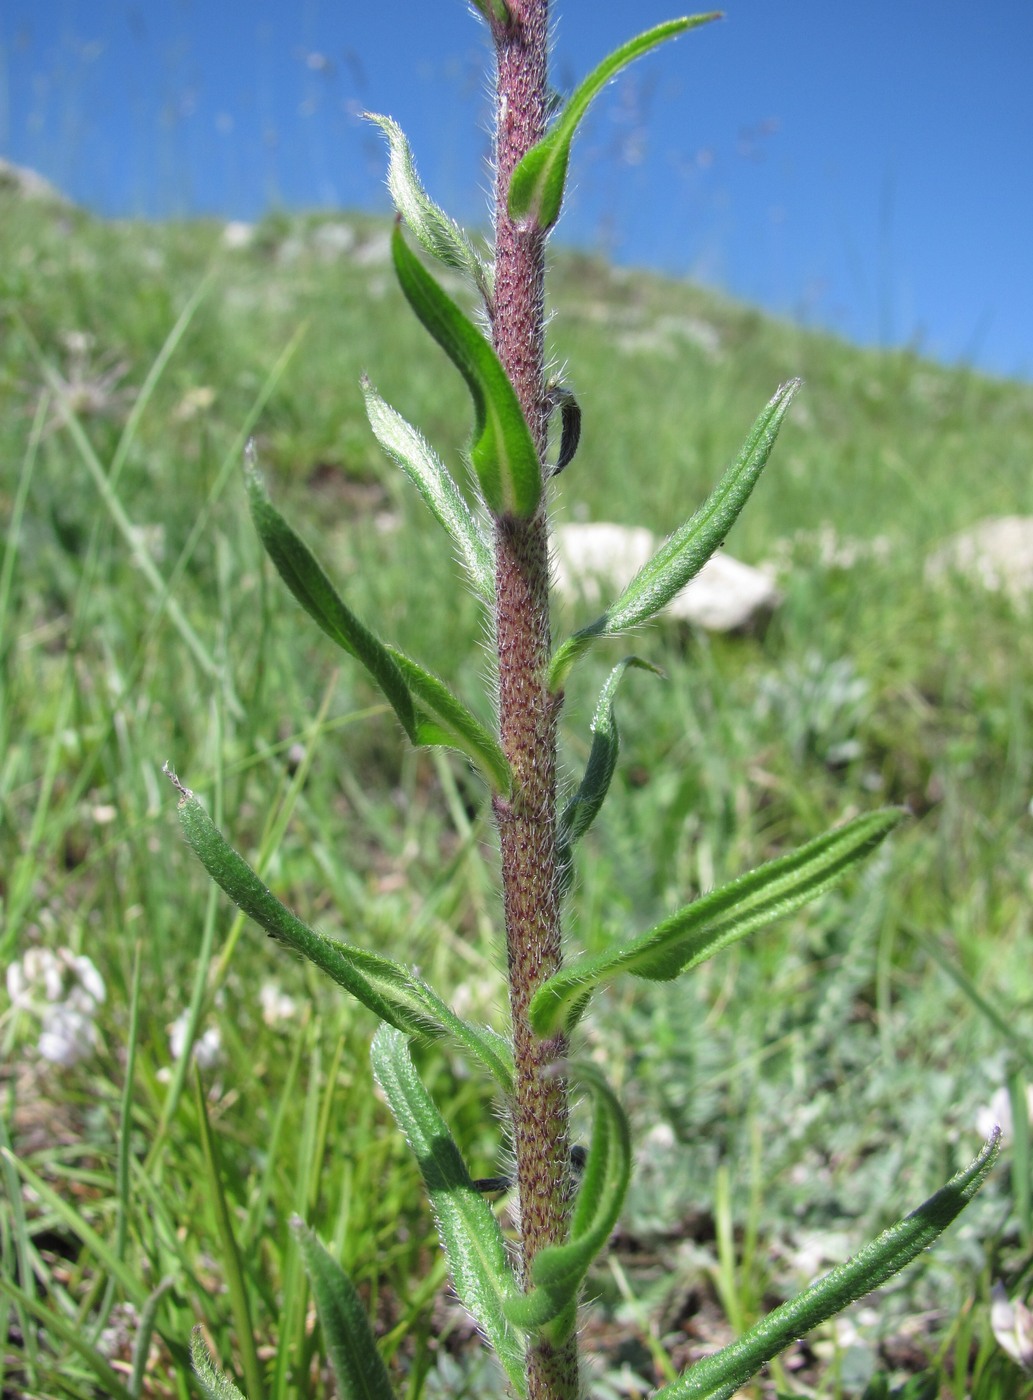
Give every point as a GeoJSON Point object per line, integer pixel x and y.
{"type": "Point", "coordinates": [237, 234]}
{"type": "Point", "coordinates": [331, 240]}
{"type": "Point", "coordinates": [997, 553]}
{"type": "Point", "coordinates": [28, 183]}
{"type": "Point", "coordinates": [374, 251]}
{"type": "Point", "coordinates": [593, 562]}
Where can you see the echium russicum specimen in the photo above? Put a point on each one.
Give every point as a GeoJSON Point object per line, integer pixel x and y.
{"type": "Point", "coordinates": [526, 1297]}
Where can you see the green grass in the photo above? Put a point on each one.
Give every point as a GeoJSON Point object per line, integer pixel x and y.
{"type": "Point", "coordinates": [825, 1076]}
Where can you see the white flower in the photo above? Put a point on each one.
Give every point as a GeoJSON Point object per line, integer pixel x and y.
{"type": "Point", "coordinates": [90, 980]}
{"type": "Point", "coordinates": [276, 1005]}
{"type": "Point", "coordinates": [997, 1113]}
{"type": "Point", "coordinates": [1012, 1323]}
{"type": "Point", "coordinates": [207, 1048]}
{"type": "Point", "coordinates": [68, 1035]}
{"type": "Point", "coordinates": [64, 991]}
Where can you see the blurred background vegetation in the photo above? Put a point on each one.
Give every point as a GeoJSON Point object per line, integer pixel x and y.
{"type": "Point", "coordinates": [790, 1099]}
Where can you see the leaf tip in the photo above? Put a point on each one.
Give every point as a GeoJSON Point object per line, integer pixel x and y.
{"type": "Point", "coordinates": [184, 792]}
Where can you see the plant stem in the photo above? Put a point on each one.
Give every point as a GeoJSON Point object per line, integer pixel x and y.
{"type": "Point", "coordinates": [527, 711]}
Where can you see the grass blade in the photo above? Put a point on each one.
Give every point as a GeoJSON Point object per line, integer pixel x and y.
{"type": "Point", "coordinates": [470, 1234]}
{"type": "Point", "coordinates": [236, 1285]}
{"type": "Point", "coordinates": [1004, 1025]}
{"type": "Point", "coordinates": [131, 536]}
{"type": "Point", "coordinates": [718, 919]}
{"type": "Point", "coordinates": [22, 1251]}
{"type": "Point", "coordinates": [81, 1229]}
{"type": "Point", "coordinates": [70, 1334]}
{"type": "Point", "coordinates": [718, 1377]}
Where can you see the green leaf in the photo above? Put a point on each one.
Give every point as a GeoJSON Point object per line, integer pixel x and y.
{"type": "Point", "coordinates": [401, 441]}
{"type": "Point", "coordinates": [536, 189]}
{"type": "Point", "coordinates": [719, 1376]}
{"type": "Point", "coordinates": [718, 919]}
{"type": "Point", "coordinates": [496, 12]}
{"type": "Point", "coordinates": [304, 576]}
{"type": "Point", "coordinates": [878, 1388]}
{"type": "Point", "coordinates": [682, 556]}
{"type": "Point", "coordinates": [503, 453]}
{"type": "Point", "coordinates": [470, 1235]}
{"type": "Point", "coordinates": [229, 1258]}
{"type": "Point", "coordinates": [213, 1383]}
{"type": "Point", "coordinates": [388, 989]}
{"type": "Point", "coordinates": [583, 808]}
{"type": "Point", "coordinates": [350, 1344]}
{"type": "Point", "coordinates": [439, 235]}
{"type": "Point", "coordinates": [559, 1270]}
{"type": "Point", "coordinates": [450, 723]}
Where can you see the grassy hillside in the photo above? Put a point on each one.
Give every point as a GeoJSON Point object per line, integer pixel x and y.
{"type": "Point", "coordinates": [790, 1099]}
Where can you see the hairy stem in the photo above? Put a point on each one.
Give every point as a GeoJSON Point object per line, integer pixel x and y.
{"type": "Point", "coordinates": [527, 712]}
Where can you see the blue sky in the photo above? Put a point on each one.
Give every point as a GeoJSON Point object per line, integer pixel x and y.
{"type": "Point", "coordinates": [866, 167]}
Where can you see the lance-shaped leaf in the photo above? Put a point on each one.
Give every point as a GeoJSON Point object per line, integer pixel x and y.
{"type": "Point", "coordinates": [718, 919]}
{"type": "Point", "coordinates": [719, 1376]}
{"type": "Point", "coordinates": [449, 723]}
{"type": "Point", "coordinates": [583, 808]}
{"type": "Point", "coordinates": [536, 189]}
{"type": "Point", "coordinates": [470, 1235]}
{"type": "Point", "coordinates": [387, 988]}
{"type": "Point", "coordinates": [559, 1270]}
{"type": "Point", "coordinates": [214, 1385]}
{"type": "Point", "coordinates": [682, 556]}
{"type": "Point", "coordinates": [502, 453]}
{"type": "Point", "coordinates": [433, 229]}
{"type": "Point", "coordinates": [425, 469]}
{"type": "Point", "coordinates": [304, 576]}
{"type": "Point", "coordinates": [350, 1344]}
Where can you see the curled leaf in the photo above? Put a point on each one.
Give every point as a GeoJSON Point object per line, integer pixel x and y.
{"type": "Point", "coordinates": [558, 1271]}
{"type": "Point", "coordinates": [720, 1376]}
{"type": "Point", "coordinates": [714, 921]}
{"type": "Point", "coordinates": [583, 808]}
{"type": "Point", "coordinates": [401, 441]}
{"type": "Point", "coordinates": [570, 424]}
{"type": "Point", "coordinates": [682, 556]}
{"type": "Point", "coordinates": [431, 226]}
{"type": "Point", "coordinates": [470, 1235]}
{"type": "Point", "coordinates": [536, 189]}
{"type": "Point", "coordinates": [502, 453]}
{"type": "Point", "coordinates": [387, 988]}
